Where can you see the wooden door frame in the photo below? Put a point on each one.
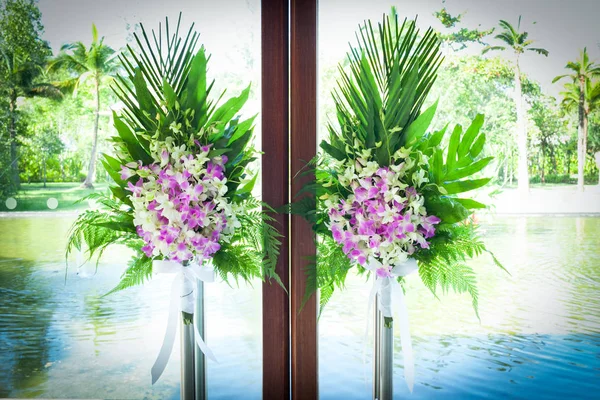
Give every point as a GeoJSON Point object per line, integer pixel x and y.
{"type": "Point", "coordinates": [289, 135]}
{"type": "Point", "coordinates": [303, 138]}
{"type": "Point", "coordinates": [275, 188]}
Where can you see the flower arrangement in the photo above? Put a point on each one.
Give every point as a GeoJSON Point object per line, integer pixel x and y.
{"type": "Point", "coordinates": [182, 192]}
{"type": "Point", "coordinates": [383, 218]}
{"type": "Point", "coordinates": [385, 193]}
{"type": "Point", "coordinates": [179, 206]}
{"type": "Point", "coordinates": [182, 188]}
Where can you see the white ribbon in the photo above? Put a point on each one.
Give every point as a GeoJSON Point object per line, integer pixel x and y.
{"type": "Point", "coordinates": [182, 291]}
{"type": "Point", "coordinates": [387, 288]}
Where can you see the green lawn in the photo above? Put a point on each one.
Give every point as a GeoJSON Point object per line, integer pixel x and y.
{"type": "Point", "coordinates": [34, 197]}
{"type": "Point", "coordinates": [551, 186]}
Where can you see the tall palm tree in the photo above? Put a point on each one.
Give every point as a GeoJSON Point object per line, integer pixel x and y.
{"type": "Point", "coordinates": [97, 64]}
{"type": "Point", "coordinates": [582, 94]}
{"type": "Point", "coordinates": [518, 42]}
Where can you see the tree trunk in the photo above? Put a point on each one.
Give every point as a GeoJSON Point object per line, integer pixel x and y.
{"type": "Point", "coordinates": [89, 179]}
{"type": "Point", "coordinates": [543, 166]}
{"type": "Point", "coordinates": [12, 128]}
{"type": "Point", "coordinates": [62, 171]}
{"type": "Point", "coordinates": [522, 174]}
{"type": "Point", "coordinates": [581, 135]}
{"type": "Point", "coordinates": [597, 155]}
{"type": "Point", "coordinates": [505, 172]}
{"type": "Point", "coordinates": [511, 170]}
{"type": "Point", "coordinates": [44, 169]}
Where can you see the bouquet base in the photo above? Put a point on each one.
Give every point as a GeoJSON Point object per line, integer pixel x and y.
{"type": "Point", "coordinates": [193, 362]}
{"type": "Point", "coordinates": [383, 356]}
{"type": "Point", "coordinates": [188, 375]}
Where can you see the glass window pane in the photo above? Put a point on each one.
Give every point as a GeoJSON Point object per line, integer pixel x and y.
{"type": "Point", "coordinates": [538, 331]}
{"type": "Point", "coordinates": [60, 337]}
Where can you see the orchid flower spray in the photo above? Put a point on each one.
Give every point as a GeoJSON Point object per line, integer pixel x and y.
{"type": "Point", "coordinates": [390, 191]}
{"type": "Point", "coordinates": [182, 169]}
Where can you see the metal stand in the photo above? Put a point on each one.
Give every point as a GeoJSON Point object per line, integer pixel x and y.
{"type": "Point", "coordinates": [387, 362]}
{"type": "Point", "coordinates": [193, 361]}
{"type": "Point", "coordinates": [200, 359]}
{"type": "Point", "coordinates": [383, 357]}
{"type": "Point", "coordinates": [376, 350]}
{"type": "Point", "coordinates": [187, 361]}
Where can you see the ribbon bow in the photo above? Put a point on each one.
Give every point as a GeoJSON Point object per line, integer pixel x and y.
{"type": "Point", "coordinates": [386, 286]}
{"type": "Point", "coordinates": [182, 289]}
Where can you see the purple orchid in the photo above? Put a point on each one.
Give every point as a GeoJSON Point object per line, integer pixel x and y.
{"type": "Point", "coordinates": [384, 272]}
{"type": "Point", "coordinates": [367, 225]}
{"type": "Point", "coordinates": [126, 173]}
{"type": "Point", "coordinates": [136, 189]}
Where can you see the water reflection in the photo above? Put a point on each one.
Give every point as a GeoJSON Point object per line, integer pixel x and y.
{"type": "Point", "coordinates": [25, 317]}
{"type": "Point", "coordinates": [539, 335]}
{"type": "Point", "coordinates": [63, 339]}
{"type": "Point", "coordinates": [98, 312]}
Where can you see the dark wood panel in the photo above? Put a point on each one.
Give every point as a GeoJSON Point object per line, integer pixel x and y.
{"type": "Point", "coordinates": [275, 186]}
{"type": "Point", "coordinates": [303, 76]}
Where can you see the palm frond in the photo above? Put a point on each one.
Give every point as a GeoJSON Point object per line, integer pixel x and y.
{"type": "Point", "coordinates": [391, 71]}
{"type": "Point", "coordinates": [510, 30]}
{"type": "Point", "coordinates": [492, 48]}
{"type": "Point", "coordinates": [574, 66]}
{"type": "Point", "coordinates": [538, 50]}
{"type": "Point", "coordinates": [47, 90]}
{"type": "Point", "coordinates": [514, 39]}
{"type": "Point", "coordinates": [559, 77]}
{"type": "Point", "coordinates": [506, 38]}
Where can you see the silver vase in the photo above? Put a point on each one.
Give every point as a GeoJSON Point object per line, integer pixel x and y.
{"type": "Point", "coordinates": [193, 361]}
{"type": "Point", "coordinates": [383, 356]}
{"type": "Point", "coordinates": [188, 389]}
{"type": "Point", "coordinates": [200, 358]}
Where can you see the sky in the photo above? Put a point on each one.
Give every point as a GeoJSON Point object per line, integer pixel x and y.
{"type": "Point", "coordinates": [562, 27]}
{"type": "Point", "coordinates": [221, 27]}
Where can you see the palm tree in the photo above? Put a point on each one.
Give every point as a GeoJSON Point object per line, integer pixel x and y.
{"type": "Point", "coordinates": [97, 64]}
{"type": "Point", "coordinates": [519, 43]}
{"type": "Point", "coordinates": [582, 94]}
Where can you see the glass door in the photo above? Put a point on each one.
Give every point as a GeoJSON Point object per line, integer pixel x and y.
{"type": "Point", "coordinates": [525, 342]}
{"type": "Point", "coordinates": [61, 337]}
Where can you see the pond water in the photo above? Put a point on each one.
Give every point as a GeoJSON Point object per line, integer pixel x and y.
{"type": "Point", "coordinates": [539, 334]}
{"type": "Point", "coordinates": [62, 339]}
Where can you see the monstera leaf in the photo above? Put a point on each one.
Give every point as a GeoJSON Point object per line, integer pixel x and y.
{"type": "Point", "coordinates": [451, 171]}
{"type": "Point", "coordinates": [461, 159]}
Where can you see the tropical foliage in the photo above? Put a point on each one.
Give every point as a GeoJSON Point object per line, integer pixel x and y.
{"type": "Point", "coordinates": [168, 100]}
{"type": "Point", "coordinates": [460, 38]}
{"type": "Point", "coordinates": [581, 94]}
{"type": "Point", "coordinates": [96, 65]}
{"type": "Point", "coordinates": [466, 85]}
{"type": "Point", "coordinates": [23, 54]}
{"type": "Point", "coordinates": [381, 136]}
{"type": "Point", "coordinates": [518, 42]}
